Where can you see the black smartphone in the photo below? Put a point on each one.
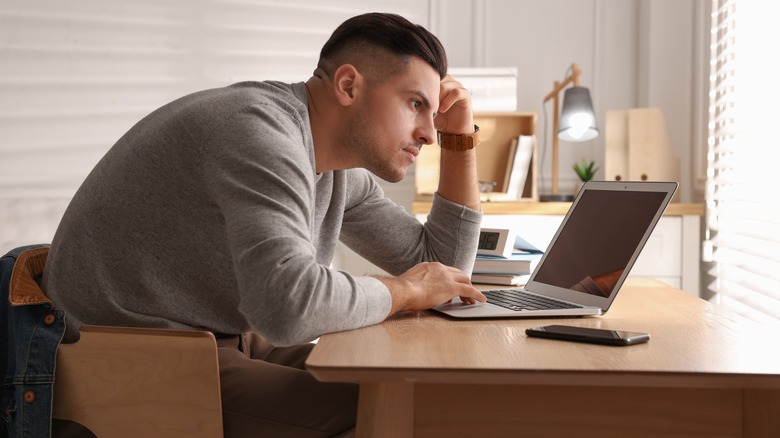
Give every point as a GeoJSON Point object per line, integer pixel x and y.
{"type": "Point", "coordinates": [590, 335]}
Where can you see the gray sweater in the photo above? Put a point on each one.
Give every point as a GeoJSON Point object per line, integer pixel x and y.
{"type": "Point", "coordinates": [209, 214]}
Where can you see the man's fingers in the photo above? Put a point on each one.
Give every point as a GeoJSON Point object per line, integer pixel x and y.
{"type": "Point", "coordinates": [452, 95]}
{"type": "Point", "coordinates": [472, 294]}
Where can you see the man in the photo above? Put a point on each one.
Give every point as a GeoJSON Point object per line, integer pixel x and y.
{"type": "Point", "coordinates": [221, 211]}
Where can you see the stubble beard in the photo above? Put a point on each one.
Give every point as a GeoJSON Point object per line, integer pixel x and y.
{"type": "Point", "coordinates": [360, 142]}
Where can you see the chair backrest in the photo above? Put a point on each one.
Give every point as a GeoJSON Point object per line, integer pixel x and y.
{"type": "Point", "coordinates": [113, 382]}
{"type": "Point", "coordinates": [131, 382]}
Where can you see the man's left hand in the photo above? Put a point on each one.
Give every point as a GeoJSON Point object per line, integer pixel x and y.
{"type": "Point", "coordinates": [455, 115]}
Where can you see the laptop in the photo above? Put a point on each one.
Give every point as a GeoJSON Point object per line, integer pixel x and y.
{"type": "Point", "coordinates": [589, 257]}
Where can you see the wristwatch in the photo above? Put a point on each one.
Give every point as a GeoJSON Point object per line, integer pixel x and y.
{"type": "Point", "coordinates": [459, 142]}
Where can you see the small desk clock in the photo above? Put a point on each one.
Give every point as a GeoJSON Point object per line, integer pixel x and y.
{"type": "Point", "coordinates": [496, 242]}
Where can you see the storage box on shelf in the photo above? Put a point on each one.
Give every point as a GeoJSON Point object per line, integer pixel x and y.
{"type": "Point", "coordinates": [497, 129]}
{"type": "Point", "coordinates": [637, 147]}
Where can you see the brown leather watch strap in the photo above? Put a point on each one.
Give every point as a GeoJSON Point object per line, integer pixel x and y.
{"type": "Point", "coordinates": [459, 142]}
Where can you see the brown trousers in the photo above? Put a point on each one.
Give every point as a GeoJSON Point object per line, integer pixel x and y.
{"type": "Point", "coordinates": [267, 392]}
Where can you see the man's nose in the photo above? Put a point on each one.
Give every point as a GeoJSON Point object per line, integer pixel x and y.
{"type": "Point", "coordinates": [426, 133]}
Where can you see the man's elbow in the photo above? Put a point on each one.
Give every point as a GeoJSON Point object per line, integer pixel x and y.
{"type": "Point", "coordinates": [287, 332]}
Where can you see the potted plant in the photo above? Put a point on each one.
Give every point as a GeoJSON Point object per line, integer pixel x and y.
{"type": "Point", "coordinates": [586, 171]}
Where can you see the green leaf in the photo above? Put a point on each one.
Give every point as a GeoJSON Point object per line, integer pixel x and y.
{"type": "Point", "coordinates": [586, 171]}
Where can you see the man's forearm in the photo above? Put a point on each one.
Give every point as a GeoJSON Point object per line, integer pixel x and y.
{"type": "Point", "coordinates": [399, 293]}
{"type": "Point", "coordinates": [458, 178]}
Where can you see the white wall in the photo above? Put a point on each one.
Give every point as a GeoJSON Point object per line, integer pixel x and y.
{"type": "Point", "coordinates": [633, 53]}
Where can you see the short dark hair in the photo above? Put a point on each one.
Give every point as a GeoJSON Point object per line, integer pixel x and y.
{"type": "Point", "coordinates": [390, 32]}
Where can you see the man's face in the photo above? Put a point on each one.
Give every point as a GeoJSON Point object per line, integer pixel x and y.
{"type": "Point", "coordinates": [393, 120]}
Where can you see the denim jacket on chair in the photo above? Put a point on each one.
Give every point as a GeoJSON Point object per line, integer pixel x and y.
{"type": "Point", "coordinates": [30, 333]}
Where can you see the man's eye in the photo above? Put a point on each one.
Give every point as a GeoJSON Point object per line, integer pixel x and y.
{"type": "Point", "coordinates": [416, 104]}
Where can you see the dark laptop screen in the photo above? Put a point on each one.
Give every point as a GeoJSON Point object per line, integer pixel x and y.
{"type": "Point", "coordinates": [598, 240]}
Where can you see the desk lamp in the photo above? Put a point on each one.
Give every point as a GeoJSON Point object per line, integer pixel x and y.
{"type": "Point", "coordinates": [577, 123]}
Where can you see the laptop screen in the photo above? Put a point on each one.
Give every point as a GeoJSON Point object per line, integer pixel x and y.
{"type": "Point", "coordinates": [599, 240]}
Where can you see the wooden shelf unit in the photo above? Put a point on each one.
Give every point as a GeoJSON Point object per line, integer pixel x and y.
{"type": "Point", "coordinates": [497, 129]}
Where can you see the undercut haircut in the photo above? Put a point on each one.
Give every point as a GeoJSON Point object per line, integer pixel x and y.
{"type": "Point", "coordinates": [389, 40]}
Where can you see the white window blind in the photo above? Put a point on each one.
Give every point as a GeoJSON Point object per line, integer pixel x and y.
{"type": "Point", "coordinates": [75, 75]}
{"type": "Point", "coordinates": [743, 201]}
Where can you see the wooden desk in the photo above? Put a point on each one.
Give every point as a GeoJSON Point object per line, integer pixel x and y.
{"type": "Point", "coordinates": [704, 373]}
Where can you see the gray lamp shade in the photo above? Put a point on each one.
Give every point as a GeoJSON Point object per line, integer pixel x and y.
{"type": "Point", "coordinates": [578, 121]}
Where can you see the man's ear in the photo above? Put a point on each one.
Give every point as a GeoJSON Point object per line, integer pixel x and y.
{"type": "Point", "coordinates": [347, 83]}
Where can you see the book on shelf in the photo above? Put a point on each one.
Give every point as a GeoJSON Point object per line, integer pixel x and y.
{"type": "Point", "coordinates": [516, 264]}
{"type": "Point", "coordinates": [502, 279]}
{"type": "Point", "coordinates": [509, 162]}
{"type": "Point", "coordinates": [520, 154]}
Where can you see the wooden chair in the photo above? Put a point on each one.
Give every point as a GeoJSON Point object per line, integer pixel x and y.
{"type": "Point", "coordinates": [131, 382]}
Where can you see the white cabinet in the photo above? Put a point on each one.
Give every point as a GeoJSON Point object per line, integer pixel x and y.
{"type": "Point", "coordinates": [664, 256]}
{"type": "Point", "coordinates": [671, 254]}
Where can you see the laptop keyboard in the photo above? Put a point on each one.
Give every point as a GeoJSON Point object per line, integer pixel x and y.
{"type": "Point", "coordinates": [515, 299]}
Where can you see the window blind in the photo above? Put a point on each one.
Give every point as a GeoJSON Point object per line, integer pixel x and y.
{"type": "Point", "coordinates": [77, 74]}
{"type": "Point", "coordinates": [743, 204]}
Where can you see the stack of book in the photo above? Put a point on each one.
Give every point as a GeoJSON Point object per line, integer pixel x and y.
{"type": "Point", "coordinates": [511, 271]}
